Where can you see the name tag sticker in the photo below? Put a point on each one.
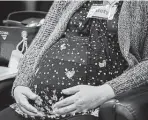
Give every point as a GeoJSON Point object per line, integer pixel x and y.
{"type": "Point", "coordinates": [92, 11]}
{"type": "Point", "coordinates": [102, 11]}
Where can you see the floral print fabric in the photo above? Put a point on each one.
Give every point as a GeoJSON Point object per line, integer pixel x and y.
{"type": "Point", "coordinates": [87, 53]}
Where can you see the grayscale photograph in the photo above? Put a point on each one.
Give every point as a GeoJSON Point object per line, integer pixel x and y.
{"type": "Point", "coordinates": [74, 60]}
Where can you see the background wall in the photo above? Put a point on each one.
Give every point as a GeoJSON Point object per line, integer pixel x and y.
{"type": "Point", "coordinates": [7, 7]}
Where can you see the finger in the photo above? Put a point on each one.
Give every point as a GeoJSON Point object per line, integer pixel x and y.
{"type": "Point", "coordinates": [24, 103]}
{"type": "Point", "coordinates": [73, 112]}
{"type": "Point", "coordinates": [65, 110]}
{"type": "Point", "coordinates": [67, 101]}
{"type": "Point", "coordinates": [29, 94]}
{"type": "Point", "coordinates": [27, 112]}
{"type": "Point", "coordinates": [71, 90]}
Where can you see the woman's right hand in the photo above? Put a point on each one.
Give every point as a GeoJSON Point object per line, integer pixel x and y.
{"type": "Point", "coordinates": [21, 95]}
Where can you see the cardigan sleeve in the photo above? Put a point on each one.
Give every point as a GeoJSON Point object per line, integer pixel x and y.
{"type": "Point", "coordinates": [131, 79]}
{"type": "Point", "coordinates": [26, 65]}
{"type": "Point", "coordinates": [137, 76]}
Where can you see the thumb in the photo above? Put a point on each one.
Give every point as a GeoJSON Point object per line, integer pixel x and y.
{"type": "Point", "coordinates": [29, 94]}
{"type": "Point", "coordinates": [71, 90]}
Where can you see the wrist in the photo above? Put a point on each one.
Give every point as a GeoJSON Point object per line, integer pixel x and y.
{"type": "Point", "coordinates": [108, 91]}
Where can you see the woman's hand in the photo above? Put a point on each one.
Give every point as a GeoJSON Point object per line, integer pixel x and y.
{"type": "Point", "coordinates": [83, 98]}
{"type": "Point", "coordinates": [21, 95]}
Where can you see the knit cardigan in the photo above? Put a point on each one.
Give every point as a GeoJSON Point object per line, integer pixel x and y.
{"type": "Point", "coordinates": [132, 37]}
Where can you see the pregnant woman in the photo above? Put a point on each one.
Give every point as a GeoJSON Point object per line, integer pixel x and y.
{"type": "Point", "coordinates": [86, 53]}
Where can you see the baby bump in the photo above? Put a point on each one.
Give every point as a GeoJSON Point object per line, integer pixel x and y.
{"type": "Point", "coordinates": [62, 67]}
{"type": "Point", "coordinates": [50, 80]}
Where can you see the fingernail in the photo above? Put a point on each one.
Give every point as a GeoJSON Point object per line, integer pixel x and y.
{"type": "Point", "coordinates": [54, 106]}
{"type": "Point", "coordinates": [41, 114]}
{"type": "Point", "coordinates": [63, 90]}
{"type": "Point", "coordinates": [35, 111]}
{"type": "Point", "coordinates": [36, 96]}
{"type": "Point", "coordinates": [55, 110]}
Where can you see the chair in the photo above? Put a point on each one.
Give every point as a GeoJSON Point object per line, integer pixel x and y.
{"type": "Point", "coordinates": [128, 106]}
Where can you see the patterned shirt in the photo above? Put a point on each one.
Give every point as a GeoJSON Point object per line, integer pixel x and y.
{"type": "Point", "coordinates": [87, 53]}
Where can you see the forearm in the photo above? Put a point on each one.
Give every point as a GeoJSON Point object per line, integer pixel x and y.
{"type": "Point", "coordinates": [109, 91]}
{"type": "Point", "coordinates": [23, 77]}
{"type": "Point", "coordinates": [133, 78]}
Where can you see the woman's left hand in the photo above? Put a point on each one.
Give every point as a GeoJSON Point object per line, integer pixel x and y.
{"type": "Point", "coordinates": [83, 97]}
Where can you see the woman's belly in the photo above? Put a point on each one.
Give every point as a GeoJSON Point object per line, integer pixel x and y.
{"type": "Point", "coordinates": [50, 80]}
{"type": "Point", "coordinates": [68, 63]}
